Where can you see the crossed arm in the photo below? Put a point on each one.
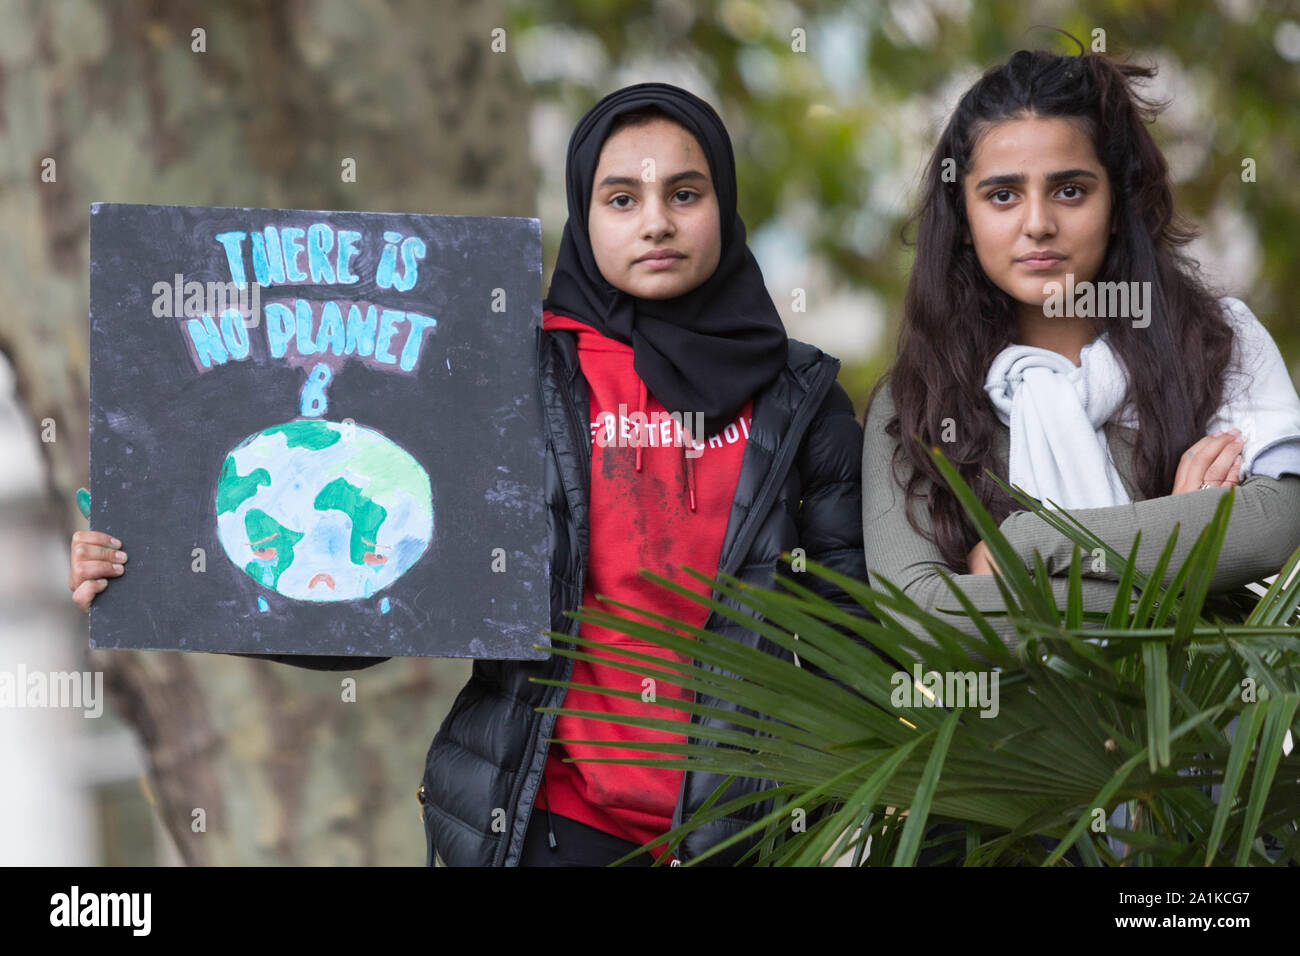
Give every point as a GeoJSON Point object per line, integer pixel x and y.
{"type": "Point", "coordinates": [1263, 530]}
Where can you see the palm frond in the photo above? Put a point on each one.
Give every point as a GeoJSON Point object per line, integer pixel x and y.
{"type": "Point", "coordinates": [899, 720]}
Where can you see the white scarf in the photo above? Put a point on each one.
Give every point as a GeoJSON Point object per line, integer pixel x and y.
{"type": "Point", "coordinates": [1055, 411]}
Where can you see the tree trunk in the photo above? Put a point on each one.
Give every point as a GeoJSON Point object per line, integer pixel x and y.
{"type": "Point", "coordinates": [117, 96]}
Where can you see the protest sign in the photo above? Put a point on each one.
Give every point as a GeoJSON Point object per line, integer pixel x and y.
{"type": "Point", "coordinates": [318, 432]}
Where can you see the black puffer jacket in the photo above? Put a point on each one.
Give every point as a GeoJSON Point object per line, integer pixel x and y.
{"type": "Point", "coordinates": [799, 486]}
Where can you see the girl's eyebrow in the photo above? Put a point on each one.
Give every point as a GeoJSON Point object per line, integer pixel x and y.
{"type": "Point", "coordinates": [1019, 179]}
{"type": "Point", "coordinates": [692, 174]}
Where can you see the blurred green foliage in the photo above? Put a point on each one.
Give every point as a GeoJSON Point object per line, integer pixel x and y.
{"type": "Point", "coordinates": [830, 142]}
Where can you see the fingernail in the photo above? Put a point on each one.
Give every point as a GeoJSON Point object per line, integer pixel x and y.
{"type": "Point", "coordinates": [116, 543]}
{"type": "Point", "coordinates": [103, 582]}
{"type": "Point", "coordinates": [117, 568]}
{"type": "Point", "coordinates": [119, 555]}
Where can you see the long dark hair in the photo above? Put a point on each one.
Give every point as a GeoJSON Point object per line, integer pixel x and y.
{"type": "Point", "coordinates": [956, 321]}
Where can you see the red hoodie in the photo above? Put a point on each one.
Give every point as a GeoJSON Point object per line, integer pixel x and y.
{"type": "Point", "coordinates": [658, 501]}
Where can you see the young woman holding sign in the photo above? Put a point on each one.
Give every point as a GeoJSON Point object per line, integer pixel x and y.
{"type": "Point", "coordinates": [1046, 181]}
{"type": "Point", "coordinates": [657, 318]}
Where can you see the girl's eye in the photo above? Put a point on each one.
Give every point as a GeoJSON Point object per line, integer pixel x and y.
{"type": "Point", "coordinates": [615, 201]}
{"type": "Point", "coordinates": [1078, 190]}
{"type": "Point", "coordinates": [689, 194]}
{"type": "Point", "coordinates": [1001, 192]}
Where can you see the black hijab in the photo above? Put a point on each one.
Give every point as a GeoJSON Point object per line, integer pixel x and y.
{"type": "Point", "coordinates": [710, 350]}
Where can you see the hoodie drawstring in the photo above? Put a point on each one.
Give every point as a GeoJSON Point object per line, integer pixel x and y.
{"type": "Point", "coordinates": [690, 476]}
{"type": "Point", "coordinates": [640, 407]}
{"type": "Point", "coordinates": [687, 460]}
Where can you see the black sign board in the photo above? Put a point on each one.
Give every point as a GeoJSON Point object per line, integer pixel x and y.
{"type": "Point", "coordinates": [318, 432]}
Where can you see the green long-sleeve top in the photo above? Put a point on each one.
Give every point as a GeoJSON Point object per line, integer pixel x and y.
{"type": "Point", "coordinates": [1263, 530]}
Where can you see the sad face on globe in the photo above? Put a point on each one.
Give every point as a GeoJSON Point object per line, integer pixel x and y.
{"type": "Point", "coordinates": [317, 510]}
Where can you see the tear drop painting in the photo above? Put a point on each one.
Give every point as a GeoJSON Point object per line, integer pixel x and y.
{"type": "Point", "coordinates": [318, 432]}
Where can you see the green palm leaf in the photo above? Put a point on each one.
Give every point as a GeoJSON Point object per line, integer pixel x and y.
{"type": "Point", "coordinates": [858, 756]}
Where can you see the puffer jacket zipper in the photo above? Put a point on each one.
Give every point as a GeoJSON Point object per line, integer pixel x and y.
{"type": "Point", "coordinates": [582, 434]}
{"type": "Point", "coordinates": [799, 422]}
